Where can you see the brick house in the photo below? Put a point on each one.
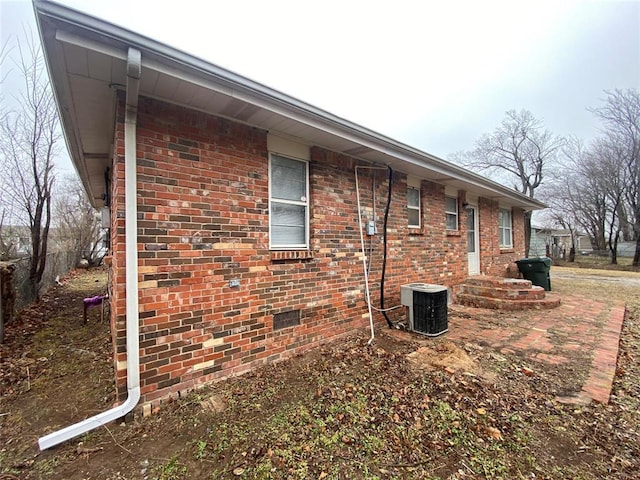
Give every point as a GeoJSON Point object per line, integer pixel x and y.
{"type": "Point", "coordinates": [235, 210]}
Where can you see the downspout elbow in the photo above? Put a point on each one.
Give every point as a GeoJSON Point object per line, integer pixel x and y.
{"type": "Point", "coordinates": [96, 421]}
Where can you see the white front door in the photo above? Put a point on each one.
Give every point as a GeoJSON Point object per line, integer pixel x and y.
{"type": "Point", "coordinates": [473, 243]}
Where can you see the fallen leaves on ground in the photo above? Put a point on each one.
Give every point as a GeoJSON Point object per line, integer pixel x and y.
{"type": "Point", "coordinates": [344, 410]}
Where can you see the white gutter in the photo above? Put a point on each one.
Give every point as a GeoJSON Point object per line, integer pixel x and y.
{"type": "Point", "coordinates": [131, 257]}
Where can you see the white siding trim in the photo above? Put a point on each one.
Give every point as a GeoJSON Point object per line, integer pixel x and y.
{"type": "Point", "coordinates": [287, 148]}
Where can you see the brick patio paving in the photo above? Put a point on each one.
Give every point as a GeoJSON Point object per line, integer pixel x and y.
{"type": "Point", "coordinates": [579, 325]}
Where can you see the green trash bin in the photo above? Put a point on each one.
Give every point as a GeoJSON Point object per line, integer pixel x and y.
{"type": "Point", "coordinates": [536, 270]}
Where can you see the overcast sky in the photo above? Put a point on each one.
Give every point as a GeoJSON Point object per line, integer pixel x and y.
{"type": "Point", "coordinates": [435, 75]}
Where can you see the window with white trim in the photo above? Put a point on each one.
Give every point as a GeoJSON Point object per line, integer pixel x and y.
{"type": "Point", "coordinates": [288, 203]}
{"type": "Point", "coordinates": [451, 212]}
{"type": "Point", "coordinates": [413, 207]}
{"type": "Point", "coordinates": [504, 226]}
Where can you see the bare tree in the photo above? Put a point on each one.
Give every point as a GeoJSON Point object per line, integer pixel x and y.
{"type": "Point", "coordinates": [621, 117]}
{"type": "Point", "coordinates": [588, 201]}
{"type": "Point", "coordinates": [520, 150]}
{"type": "Point", "coordinates": [4, 210]}
{"type": "Point", "coordinates": [561, 195]}
{"type": "Point", "coordinates": [78, 228]}
{"type": "Point", "coordinates": [561, 215]}
{"type": "Point", "coordinates": [29, 143]}
{"type": "Point", "coordinates": [5, 314]}
{"type": "Point", "coordinates": [611, 177]}
{"type": "Point", "coordinates": [590, 192]}
{"type": "Point", "coordinates": [4, 72]}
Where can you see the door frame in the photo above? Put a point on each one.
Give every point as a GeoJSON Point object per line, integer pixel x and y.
{"type": "Point", "coordinates": [473, 261]}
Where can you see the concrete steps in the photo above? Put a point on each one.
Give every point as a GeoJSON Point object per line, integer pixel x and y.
{"type": "Point", "coordinates": [505, 294]}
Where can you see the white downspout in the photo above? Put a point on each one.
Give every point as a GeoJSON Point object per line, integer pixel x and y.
{"type": "Point", "coordinates": [131, 266]}
{"type": "Point", "coordinates": [364, 255]}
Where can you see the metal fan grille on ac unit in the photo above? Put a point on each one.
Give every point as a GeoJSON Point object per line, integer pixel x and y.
{"type": "Point", "coordinates": [427, 308]}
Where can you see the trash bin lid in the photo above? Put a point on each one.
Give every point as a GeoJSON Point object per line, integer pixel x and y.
{"type": "Point", "coordinates": [524, 261]}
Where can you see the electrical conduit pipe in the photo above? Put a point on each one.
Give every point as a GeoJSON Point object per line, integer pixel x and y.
{"type": "Point", "coordinates": [364, 255]}
{"type": "Point", "coordinates": [131, 255]}
{"type": "Point", "coordinates": [384, 242]}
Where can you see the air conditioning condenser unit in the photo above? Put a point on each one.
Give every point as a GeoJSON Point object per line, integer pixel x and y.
{"type": "Point", "coordinates": [427, 305]}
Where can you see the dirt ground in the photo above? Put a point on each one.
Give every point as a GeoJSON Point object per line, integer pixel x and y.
{"type": "Point", "coordinates": [346, 410]}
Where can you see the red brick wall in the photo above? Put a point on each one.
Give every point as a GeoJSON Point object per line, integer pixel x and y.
{"type": "Point", "coordinates": [493, 259]}
{"type": "Point", "coordinates": [203, 221]}
{"type": "Point", "coordinates": [118, 278]}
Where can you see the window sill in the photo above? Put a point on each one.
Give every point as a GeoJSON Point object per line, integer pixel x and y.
{"type": "Point", "coordinates": [416, 231]}
{"type": "Point", "coordinates": [454, 233]}
{"type": "Point", "coordinates": [507, 250]}
{"type": "Point", "coordinates": [291, 255]}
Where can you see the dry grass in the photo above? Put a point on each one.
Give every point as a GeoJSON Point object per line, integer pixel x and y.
{"type": "Point", "coordinates": [600, 283]}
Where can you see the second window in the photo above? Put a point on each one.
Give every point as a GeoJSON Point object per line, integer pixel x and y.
{"type": "Point", "coordinates": [413, 207]}
{"type": "Point", "coordinates": [504, 225]}
{"type": "Point", "coordinates": [451, 211]}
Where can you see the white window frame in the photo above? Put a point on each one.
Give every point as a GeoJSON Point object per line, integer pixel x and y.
{"type": "Point", "coordinates": [304, 203]}
{"type": "Point", "coordinates": [503, 230]}
{"type": "Point", "coordinates": [448, 212]}
{"type": "Point", "coordinates": [413, 207]}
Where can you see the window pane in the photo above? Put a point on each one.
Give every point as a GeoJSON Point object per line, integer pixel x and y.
{"type": "Point", "coordinates": [286, 214]}
{"type": "Point", "coordinates": [413, 197]}
{"type": "Point", "coordinates": [451, 205]}
{"type": "Point", "coordinates": [452, 222]}
{"type": "Point", "coordinates": [471, 220]}
{"type": "Point", "coordinates": [471, 230]}
{"type": "Point", "coordinates": [282, 235]}
{"type": "Point", "coordinates": [505, 237]}
{"type": "Point", "coordinates": [288, 179]}
{"type": "Point", "coordinates": [504, 218]}
{"type": "Point", "coordinates": [287, 224]}
{"type": "Point", "coordinates": [471, 241]}
{"type": "Point", "coordinates": [414, 217]}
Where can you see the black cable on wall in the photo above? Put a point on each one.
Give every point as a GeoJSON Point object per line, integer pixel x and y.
{"type": "Point", "coordinates": [384, 242]}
